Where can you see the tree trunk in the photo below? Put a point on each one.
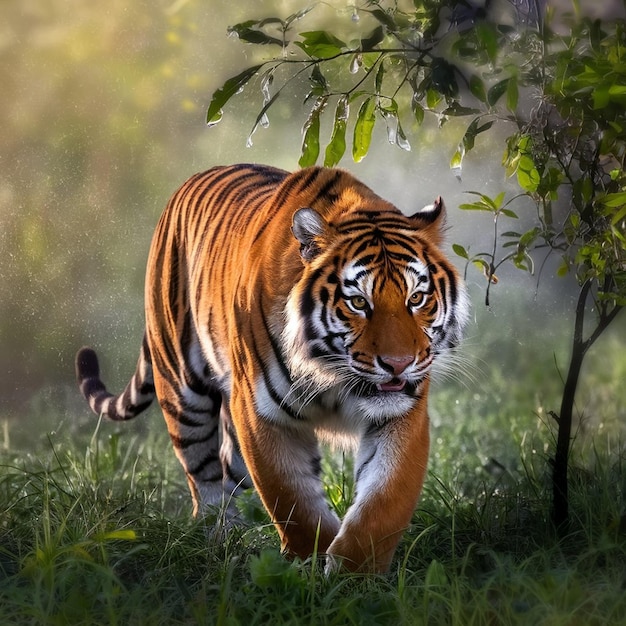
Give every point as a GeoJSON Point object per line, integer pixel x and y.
{"type": "Point", "coordinates": [560, 501]}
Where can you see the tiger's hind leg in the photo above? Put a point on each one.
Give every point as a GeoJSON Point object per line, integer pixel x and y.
{"type": "Point", "coordinates": [236, 476]}
{"type": "Point", "coordinates": [204, 441]}
{"type": "Point", "coordinates": [191, 411]}
{"type": "Point", "coordinates": [191, 407]}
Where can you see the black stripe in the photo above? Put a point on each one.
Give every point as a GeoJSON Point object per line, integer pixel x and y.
{"type": "Point", "coordinates": [324, 192]}
{"type": "Point", "coordinates": [276, 349]}
{"type": "Point", "coordinates": [364, 464]}
{"type": "Point", "coordinates": [268, 384]}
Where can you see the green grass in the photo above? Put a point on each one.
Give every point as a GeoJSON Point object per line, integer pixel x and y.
{"type": "Point", "coordinates": [97, 531]}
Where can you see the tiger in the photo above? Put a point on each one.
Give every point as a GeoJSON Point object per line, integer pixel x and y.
{"type": "Point", "coordinates": [284, 311]}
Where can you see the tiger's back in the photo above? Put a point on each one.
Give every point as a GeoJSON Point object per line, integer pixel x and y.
{"type": "Point", "coordinates": [281, 308]}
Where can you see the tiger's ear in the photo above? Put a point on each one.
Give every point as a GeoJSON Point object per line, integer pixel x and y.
{"type": "Point", "coordinates": [431, 219]}
{"type": "Point", "coordinates": [307, 226]}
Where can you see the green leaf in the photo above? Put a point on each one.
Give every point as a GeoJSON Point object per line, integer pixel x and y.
{"type": "Point", "coordinates": [457, 159]}
{"type": "Point", "coordinates": [497, 91]}
{"type": "Point", "coordinates": [459, 250]}
{"type": "Point", "coordinates": [418, 112]}
{"type": "Point", "coordinates": [475, 206]}
{"type": "Point", "coordinates": [477, 87]}
{"type": "Point", "coordinates": [485, 203]}
{"type": "Point", "coordinates": [363, 129]}
{"type": "Point", "coordinates": [433, 98]}
{"type": "Point", "coordinates": [528, 237]}
{"type": "Point", "coordinates": [527, 175]}
{"type": "Point", "coordinates": [614, 200]}
{"type": "Point", "coordinates": [472, 130]}
{"type": "Point", "coordinates": [512, 95]}
{"type": "Point", "coordinates": [337, 145]}
{"type": "Point", "coordinates": [246, 32]}
{"type": "Point", "coordinates": [311, 134]}
{"type": "Point", "coordinates": [373, 39]}
{"type": "Point", "coordinates": [619, 215]}
{"type": "Point", "coordinates": [488, 38]}
{"type": "Point", "coordinates": [320, 44]}
{"type": "Point", "coordinates": [562, 270]}
{"type": "Point", "coordinates": [380, 73]}
{"type": "Point", "coordinates": [227, 91]}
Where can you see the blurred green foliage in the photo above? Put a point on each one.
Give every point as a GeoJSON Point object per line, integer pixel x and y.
{"type": "Point", "coordinates": [101, 110]}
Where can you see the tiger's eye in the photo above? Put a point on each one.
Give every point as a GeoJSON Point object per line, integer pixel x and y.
{"type": "Point", "coordinates": [358, 303]}
{"type": "Point", "coordinates": [416, 298]}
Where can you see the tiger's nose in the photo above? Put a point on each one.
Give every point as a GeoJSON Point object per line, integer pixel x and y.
{"type": "Point", "coordinates": [395, 364]}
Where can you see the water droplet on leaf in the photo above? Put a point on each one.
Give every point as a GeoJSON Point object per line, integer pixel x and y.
{"type": "Point", "coordinates": [216, 119]}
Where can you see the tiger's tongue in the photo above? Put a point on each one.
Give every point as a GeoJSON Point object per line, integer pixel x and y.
{"type": "Point", "coordinates": [393, 385]}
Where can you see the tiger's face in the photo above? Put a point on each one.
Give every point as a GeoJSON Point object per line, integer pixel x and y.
{"type": "Point", "coordinates": [376, 304]}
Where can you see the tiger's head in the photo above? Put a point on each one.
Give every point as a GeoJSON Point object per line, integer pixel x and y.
{"type": "Point", "coordinates": [376, 304]}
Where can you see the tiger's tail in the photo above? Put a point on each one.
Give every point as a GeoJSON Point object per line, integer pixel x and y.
{"type": "Point", "coordinates": [137, 396]}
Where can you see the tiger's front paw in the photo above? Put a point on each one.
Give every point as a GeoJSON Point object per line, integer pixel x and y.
{"type": "Point", "coordinates": [357, 553]}
{"type": "Point", "coordinates": [348, 555]}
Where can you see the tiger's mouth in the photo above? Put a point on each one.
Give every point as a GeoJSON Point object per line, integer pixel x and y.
{"type": "Point", "coordinates": [389, 388]}
{"type": "Point", "coordinates": [395, 384]}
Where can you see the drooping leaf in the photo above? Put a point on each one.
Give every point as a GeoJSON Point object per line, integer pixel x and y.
{"type": "Point", "coordinates": [456, 162]}
{"type": "Point", "coordinates": [401, 140]}
{"type": "Point", "coordinates": [363, 129]}
{"type": "Point", "coordinates": [418, 111]}
{"type": "Point", "coordinates": [380, 73]}
{"type": "Point", "coordinates": [337, 145]}
{"type": "Point", "coordinates": [227, 91]}
{"type": "Point", "coordinates": [497, 91]}
{"type": "Point", "coordinates": [512, 94]}
{"type": "Point", "coordinates": [433, 98]}
{"type": "Point", "coordinates": [311, 134]}
{"type": "Point", "coordinates": [474, 129]}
